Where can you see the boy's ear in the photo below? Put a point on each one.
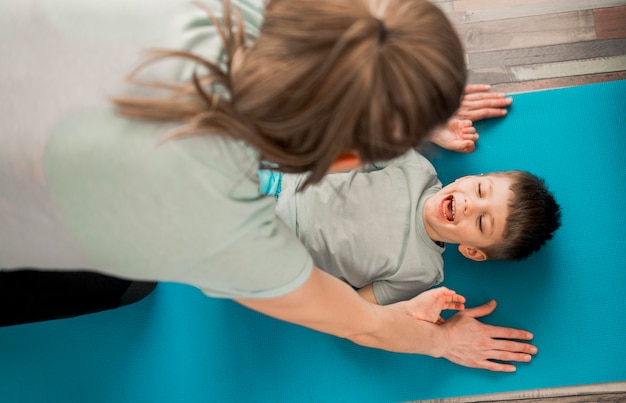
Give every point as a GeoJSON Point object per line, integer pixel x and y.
{"type": "Point", "coordinates": [346, 162]}
{"type": "Point", "coordinates": [473, 253]}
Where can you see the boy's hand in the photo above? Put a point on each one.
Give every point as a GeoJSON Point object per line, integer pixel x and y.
{"type": "Point", "coordinates": [478, 103]}
{"type": "Point", "coordinates": [428, 305]}
{"type": "Point", "coordinates": [458, 135]}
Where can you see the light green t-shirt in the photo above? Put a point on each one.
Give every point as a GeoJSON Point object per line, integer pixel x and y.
{"type": "Point", "coordinates": [366, 226]}
{"type": "Point", "coordinates": [81, 188]}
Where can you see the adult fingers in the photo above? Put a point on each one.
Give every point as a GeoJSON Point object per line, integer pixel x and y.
{"type": "Point", "coordinates": [478, 104]}
{"type": "Point", "coordinates": [510, 350]}
{"type": "Point", "coordinates": [497, 96]}
{"type": "Point", "coordinates": [483, 107]}
{"type": "Point", "coordinates": [483, 113]}
{"type": "Point", "coordinates": [479, 101]}
{"type": "Point", "coordinates": [498, 332]}
{"type": "Point", "coordinates": [502, 356]}
{"type": "Point", "coordinates": [496, 366]}
{"type": "Point", "coordinates": [481, 310]}
{"type": "Point", "coordinates": [472, 88]}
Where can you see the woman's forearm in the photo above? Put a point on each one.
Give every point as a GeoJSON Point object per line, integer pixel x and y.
{"type": "Point", "coordinates": [328, 305]}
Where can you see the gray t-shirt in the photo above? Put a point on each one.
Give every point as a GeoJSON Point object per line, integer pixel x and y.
{"type": "Point", "coordinates": [366, 226]}
{"type": "Point", "coordinates": [81, 188]}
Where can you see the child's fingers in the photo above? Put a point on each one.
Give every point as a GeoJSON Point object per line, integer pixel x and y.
{"type": "Point", "coordinates": [457, 300]}
{"type": "Point", "coordinates": [470, 132]}
{"type": "Point", "coordinates": [449, 296]}
{"type": "Point", "coordinates": [461, 125]}
{"type": "Point", "coordinates": [454, 297]}
{"type": "Point", "coordinates": [468, 146]}
{"type": "Point", "coordinates": [454, 307]}
{"type": "Point", "coordinates": [469, 138]}
{"type": "Point", "coordinates": [442, 291]}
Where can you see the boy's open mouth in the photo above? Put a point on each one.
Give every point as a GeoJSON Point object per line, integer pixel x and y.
{"type": "Point", "coordinates": [447, 208]}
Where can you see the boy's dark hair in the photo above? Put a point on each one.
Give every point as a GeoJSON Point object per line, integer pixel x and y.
{"type": "Point", "coordinates": [533, 217]}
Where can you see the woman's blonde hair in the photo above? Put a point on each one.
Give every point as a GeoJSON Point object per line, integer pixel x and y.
{"type": "Point", "coordinates": [323, 78]}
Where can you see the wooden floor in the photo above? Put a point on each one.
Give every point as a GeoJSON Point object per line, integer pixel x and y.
{"type": "Point", "coordinates": [614, 392]}
{"type": "Point", "coordinates": [528, 45]}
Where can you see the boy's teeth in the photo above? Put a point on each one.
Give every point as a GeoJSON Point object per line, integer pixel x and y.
{"type": "Point", "coordinates": [448, 209]}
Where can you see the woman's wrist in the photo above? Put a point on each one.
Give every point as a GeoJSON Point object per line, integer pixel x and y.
{"type": "Point", "coordinates": [394, 330]}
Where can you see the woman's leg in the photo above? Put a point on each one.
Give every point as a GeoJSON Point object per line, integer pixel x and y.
{"type": "Point", "coordinates": [30, 295]}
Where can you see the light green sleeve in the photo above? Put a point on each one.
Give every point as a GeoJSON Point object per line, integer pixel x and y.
{"type": "Point", "coordinates": [81, 188]}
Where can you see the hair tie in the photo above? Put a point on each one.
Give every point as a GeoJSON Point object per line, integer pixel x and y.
{"type": "Point", "coordinates": [382, 31]}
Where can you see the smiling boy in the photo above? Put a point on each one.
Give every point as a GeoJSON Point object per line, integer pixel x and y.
{"type": "Point", "coordinates": [383, 228]}
{"type": "Point", "coordinates": [471, 212]}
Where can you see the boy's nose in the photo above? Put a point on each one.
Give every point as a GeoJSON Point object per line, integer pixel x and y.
{"type": "Point", "coordinates": [466, 207]}
{"type": "Point", "coordinates": [469, 205]}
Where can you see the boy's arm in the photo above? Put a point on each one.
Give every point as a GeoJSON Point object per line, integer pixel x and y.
{"type": "Point", "coordinates": [367, 293]}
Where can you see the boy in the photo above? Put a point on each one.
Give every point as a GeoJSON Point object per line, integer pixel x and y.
{"type": "Point", "coordinates": [383, 228]}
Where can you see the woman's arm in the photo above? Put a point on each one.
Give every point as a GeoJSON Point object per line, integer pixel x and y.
{"type": "Point", "coordinates": [328, 305]}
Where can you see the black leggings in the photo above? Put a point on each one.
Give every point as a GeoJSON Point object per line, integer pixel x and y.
{"type": "Point", "coordinates": [29, 295]}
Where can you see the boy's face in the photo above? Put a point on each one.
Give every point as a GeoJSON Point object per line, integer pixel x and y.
{"type": "Point", "coordinates": [471, 212]}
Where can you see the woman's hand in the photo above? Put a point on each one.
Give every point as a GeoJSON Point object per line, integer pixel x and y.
{"type": "Point", "coordinates": [475, 344]}
{"type": "Point", "coordinates": [478, 103]}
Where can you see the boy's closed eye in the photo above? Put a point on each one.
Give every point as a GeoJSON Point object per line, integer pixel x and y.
{"type": "Point", "coordinates": [480, 217]}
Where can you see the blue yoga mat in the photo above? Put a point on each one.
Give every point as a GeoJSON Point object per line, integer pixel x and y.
{"type": "Point", "coordinates": [179, 346]}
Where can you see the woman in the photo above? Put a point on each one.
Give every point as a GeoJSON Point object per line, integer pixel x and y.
{"type": "Point", "coordinates": [328, 84]}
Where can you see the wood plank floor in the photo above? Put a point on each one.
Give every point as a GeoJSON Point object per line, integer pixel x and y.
{"type": "Point", "coordinates": [614, 392]}
{"type": "Point", "coordinates": [528, 45]}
